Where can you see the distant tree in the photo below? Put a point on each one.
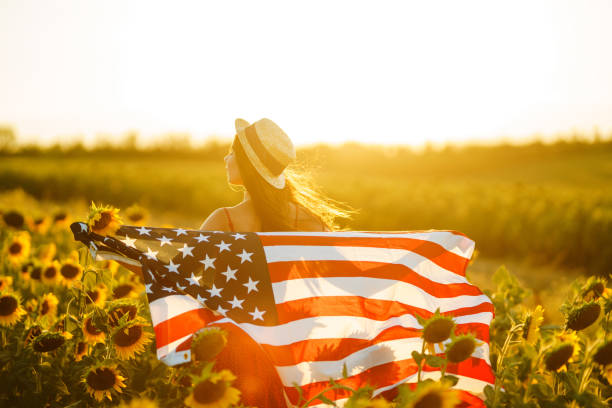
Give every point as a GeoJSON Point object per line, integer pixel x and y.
{"type": "Point", "coordinates": [7, 139]}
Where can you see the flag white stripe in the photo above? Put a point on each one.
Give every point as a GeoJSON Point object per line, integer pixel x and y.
{"type": "Point", "coordinates": [371, 288]}
{"type": "Point", "coordinates": [105, 255]}
{"type": "Point", "coordinates": [360, 361]}
{"type": "Point", "coordinates": [171, 306]}
{"type": "Point", "coordinates": [418, 263]}
{"type": "Point", "coordinates": [447, 240]}
{"type": "Point", "coordinates": [333, 327]}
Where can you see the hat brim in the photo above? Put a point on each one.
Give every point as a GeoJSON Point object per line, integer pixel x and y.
{"type": "Point", "coordinates": [276, 181]}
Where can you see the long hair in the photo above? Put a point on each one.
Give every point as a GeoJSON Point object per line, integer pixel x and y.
{"type": "Point", "coordinates": [272, 204]}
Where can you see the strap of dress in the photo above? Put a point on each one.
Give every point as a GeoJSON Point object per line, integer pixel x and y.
{"type": "Point", "coordinates": [229, 220]}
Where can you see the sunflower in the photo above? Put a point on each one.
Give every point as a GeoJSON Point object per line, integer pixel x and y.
{"type": "Point", "coordinates": [111, 265]}
{"type": "Point", "coordinates": [593, 289]}
{"type": "Point", "coordinates": [461, 348]}
{"type": "Point", "coordinates": [10, 309]}
{"type": "Point", "coordinates": [213, 391]}
{"type": "Point", "coordinates": [71, 271]}
{"type": "Point", "coordinates": [48, 341]}
{"type": "Point", "coordinates": [130, 340]}
{"type": "Point", "coordinates": [101, 380]}
{"type": "Point", "coordinates": [18, 247]}
{"type": "Point", "coordinates": [434, 394]}
{"type": "Point", "coordinates": [208, 343]}
{"type": "Point", "coordinates": [139, 403]}
{"type": "Point", "coordinates": [437, 328]}
{"type": "Point", "coordinates": [125, 290]}
{"type": "Point", "coordinates": [13, 219]}
{"type": "Point", "coordinates": [92, 333]}
{"type": "Point", "coordinates": [583, 316]}
{"type": "Point", "coordinates": [46, 252]}
{"type": "Point", "coordinates": [531, 327]}
{"type": "Point", "coordinates": [103, 220]}
{"type": "Point", "coordinates": [6, 282]}
{"type": "Point", "coordinates": [25, 270]}
{"type": "Point", "coordinates": [120, 309]}
{"type": "Point", "coordinates": [563, 353]}
{"type": "Point", "coordinates": [48, 305]}
{"type": "Point", "coordinates": [50, 273]}
{"type": "Point", "coordinates": [31, 305]}
{"type": "Point", "coordinates": [137, 215]}
{"type": "Point", "coordinates": [61, 219]}
{"type": "Point", "coordinates": [81, 349]}
{"type": "Point", "coordinates": [603, 356]}
{"type": "Point", "coordinates": [97, 295]}
{"type": "Point", "coordinates": [39, 225]}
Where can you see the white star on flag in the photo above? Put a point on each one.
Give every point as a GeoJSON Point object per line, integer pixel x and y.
{"type": "Point", "coordinates": [167, 289]}
{"type": "Point", "coordinates": [200, 299]}
{"type": "Point", "coordinates": [208, 262]}
{"type": "Point", "coordinates": [229, 274]}
{"type": "Point", "coordinates": [83, 227]}
{"type": "Point", "coordinates": [201, 238]}
{"type": "Point", "coordinates": [148, 287]}
{"type": "Point", "coordinates": [251, 285]}
{"type": "Point", "coordinates": [186, 250]}
{"type": "Point", "coordinates": [221, 310]}
{"type": "Point", "coordinates": [180, 287]}
{"type": "Point", "coordinates": [164, 240]}
{"type": "Point", "coordinates": [238, 236]}
{"type": "Point", "coordinates": [194, 280]}
{"type": "Point", "coordinates": [245, 256]}
{"type": "Point", "coordinates": [214, 291]}
{"type": "Point", "coordinates": [257, 314]}
{"type": "Point", "coordinates": [236, 303]}
{"type": "Point", "coordinates": [223, 246]}
{"type": "Point", "coordinates": [180, 231]}
{"type": "Point", "coordinates": [144, 231]}
{"type": "Point", "coordinates": [129, 241]}
{"type": "Point", "coordinates": [151, 254]}
{"type": "Point", "coordinates": [172, 267]}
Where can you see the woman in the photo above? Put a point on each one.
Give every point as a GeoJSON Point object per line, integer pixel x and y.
{"type": "Point", "coordinates": [276, 198]}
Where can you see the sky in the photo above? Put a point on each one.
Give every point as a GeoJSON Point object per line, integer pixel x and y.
{"type": "Point", "coordinates": [392, 72]}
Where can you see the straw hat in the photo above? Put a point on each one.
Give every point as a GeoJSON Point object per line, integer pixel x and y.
{"type": "Point", "coordinates": [268, 148]}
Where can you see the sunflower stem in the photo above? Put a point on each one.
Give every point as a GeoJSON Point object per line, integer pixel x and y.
{"type": "Point", "coordinates": [421, 362]}
{"type": "Point", "coordinates": [499, 364]}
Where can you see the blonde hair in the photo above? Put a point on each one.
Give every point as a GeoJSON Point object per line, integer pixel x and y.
{"type": "Point", "coordinates": [272, 204]}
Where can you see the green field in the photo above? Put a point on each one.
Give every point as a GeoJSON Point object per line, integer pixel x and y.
{"type": "Point", "coordinates": [550, 204]}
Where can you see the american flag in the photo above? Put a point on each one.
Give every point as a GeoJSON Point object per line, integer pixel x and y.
{"type": "Point", "coordinates": [320, 304]}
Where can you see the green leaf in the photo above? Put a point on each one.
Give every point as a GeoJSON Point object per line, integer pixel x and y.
{"type": "Point", "coordinates": [451, 379]}
{"type": "Point", "coordinates": [418, 357]}
{"type": "Point", "coordinates": [434, 361]}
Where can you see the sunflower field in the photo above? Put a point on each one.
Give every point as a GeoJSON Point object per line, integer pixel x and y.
{"type": "Point", "coordinates": [77, 333]}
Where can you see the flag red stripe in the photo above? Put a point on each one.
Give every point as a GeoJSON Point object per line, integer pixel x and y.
{"type": "Point", "coordinates": [339, 348]}
{"type": "Point", "coordinates": [388, 374]}
{"type": "Point", "coordinates": [435, 252]}
{"type": "Point", "coordinates": [291, 270]}
{"type": "Point", "coordinates": [182, 325]}
{"type": "Point", "coordinates": [362, 307]}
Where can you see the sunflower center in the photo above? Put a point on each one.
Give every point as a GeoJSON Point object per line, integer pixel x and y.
{"type": "Point", "coordinates": [36, 272]}
{"type": "Point", "coordinates": [585, 317]}
{"type": "Point", "coordinates": [44, 307]}
{"type": "Point", "coordinates": [91, 328]}
{"type": "Point", "coordinates": [13, 219]}
{"type": "Point", "coordinates": [81, 347]}
{"type": "Point", "coordinates": [429, 400]}
{"type": "Point", "coordinates": [557, 358]}
{"type": "Point", "coordinates": [39, 221]}
{"type": "Point", "coordinates": [69, 271]}
{"type": "Point", "coordinates": [136, 217]}
{"type": "Point", "coordinates": [50, 272]}
{"type": "Point", "coordinates": [60, 217]}
{"type": "Point", "coordinates": [8, 305]}
{"type": "Point", "coordinates": [93, 294]}
{"type": "Point", "coordinates": [15, 248]}
{"type": "Point", "coordinates": [438, 330]}
{"type": "Point", "coordinates": [105, 219]}
{"type": "Point", "coordinates": [122, 290]}
{"type": "Point", "coordinates": [102, 379]}
{"type": "Point", "coordinates": [48, 343]}
{"type": "Point", "coordinates": [461, 350]}
{"type": "Point", "coordinates": [128, 337]}
{"type": "Point", "coordinates": [207, 392]}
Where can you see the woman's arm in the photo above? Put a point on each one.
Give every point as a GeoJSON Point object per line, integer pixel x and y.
{"type": "Point", "coordinates": [216, 221]}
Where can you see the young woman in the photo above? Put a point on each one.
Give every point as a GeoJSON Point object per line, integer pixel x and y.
{"type": "Point", "coordinates": [276, 198]}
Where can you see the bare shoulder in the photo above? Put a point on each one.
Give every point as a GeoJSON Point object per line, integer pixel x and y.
{"type": "Point", "coordinates": [216, 221]}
